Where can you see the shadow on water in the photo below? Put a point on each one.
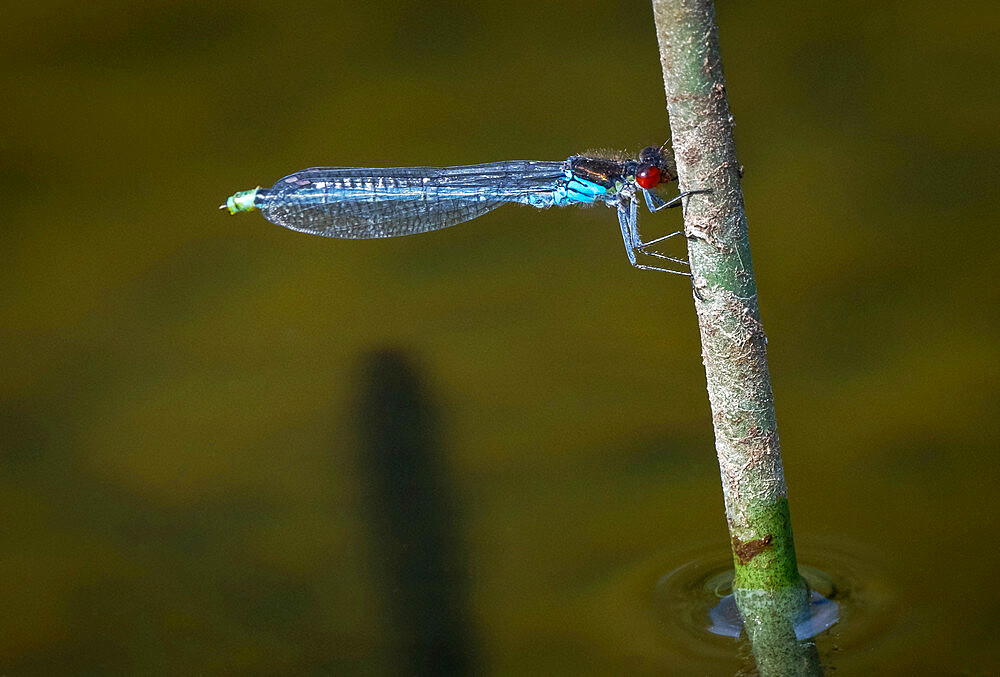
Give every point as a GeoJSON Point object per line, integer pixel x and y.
{"type": "Point", "coordinates": [413, 518]}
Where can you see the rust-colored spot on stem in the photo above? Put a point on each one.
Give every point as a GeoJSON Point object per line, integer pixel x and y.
{"type": "Point", "coordinates": [747, 551]}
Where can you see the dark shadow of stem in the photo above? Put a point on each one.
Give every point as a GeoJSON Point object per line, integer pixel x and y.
{"type": "Point", "coordinates": [413, 517]}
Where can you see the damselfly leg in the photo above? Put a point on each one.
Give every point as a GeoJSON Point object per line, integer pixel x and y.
{"type": "Point", "coordinates": [629, 221]}
{"type": "Point", "coordinates": [655, 203]}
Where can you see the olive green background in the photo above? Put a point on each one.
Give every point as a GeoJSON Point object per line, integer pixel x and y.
{"type": "Point", "coordinates": [180, 477]}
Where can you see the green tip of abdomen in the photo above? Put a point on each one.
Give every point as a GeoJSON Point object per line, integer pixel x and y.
{"type": "Point", "coordinates": [241, 201]}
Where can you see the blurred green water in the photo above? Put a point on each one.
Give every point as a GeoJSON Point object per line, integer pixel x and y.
{"type": "Point", "coordinates": [180, 469]}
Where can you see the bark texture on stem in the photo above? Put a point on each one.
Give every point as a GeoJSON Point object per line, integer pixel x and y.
{"type": "Point", "coordinates": [770, 594]}
{"type": "Point", "coordinates": [733, 340]}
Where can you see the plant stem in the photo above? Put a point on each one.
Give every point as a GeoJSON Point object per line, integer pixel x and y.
{"type": "Point", "coordinates": [733, 340]}
{"type": "Point", "coordinates": [770, 593]}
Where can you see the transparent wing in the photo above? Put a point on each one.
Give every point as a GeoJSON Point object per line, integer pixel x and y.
{"type": "Point", "coordinates": [359, 202]}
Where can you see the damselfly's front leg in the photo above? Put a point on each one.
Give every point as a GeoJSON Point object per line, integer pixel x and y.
{"type": "Point", "coordinates": [655, 203]}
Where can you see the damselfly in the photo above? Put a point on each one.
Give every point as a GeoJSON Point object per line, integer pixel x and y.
{"type": "Point", "coordinates": [362, 202]}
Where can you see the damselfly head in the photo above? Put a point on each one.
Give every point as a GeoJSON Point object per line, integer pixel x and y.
{"type": "Point", "coordinates": [655, 167]}
{"type": "Point", "coordinates": [647, 176]}
{"type": "Point", "coordinates": [651, 155]}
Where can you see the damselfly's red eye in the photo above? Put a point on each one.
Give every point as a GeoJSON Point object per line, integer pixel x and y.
{"type": "Point", "coordinates": [647, 177]}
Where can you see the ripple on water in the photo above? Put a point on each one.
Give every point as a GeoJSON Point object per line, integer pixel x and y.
{"type": "Point", "coordinates": [852, 602]}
